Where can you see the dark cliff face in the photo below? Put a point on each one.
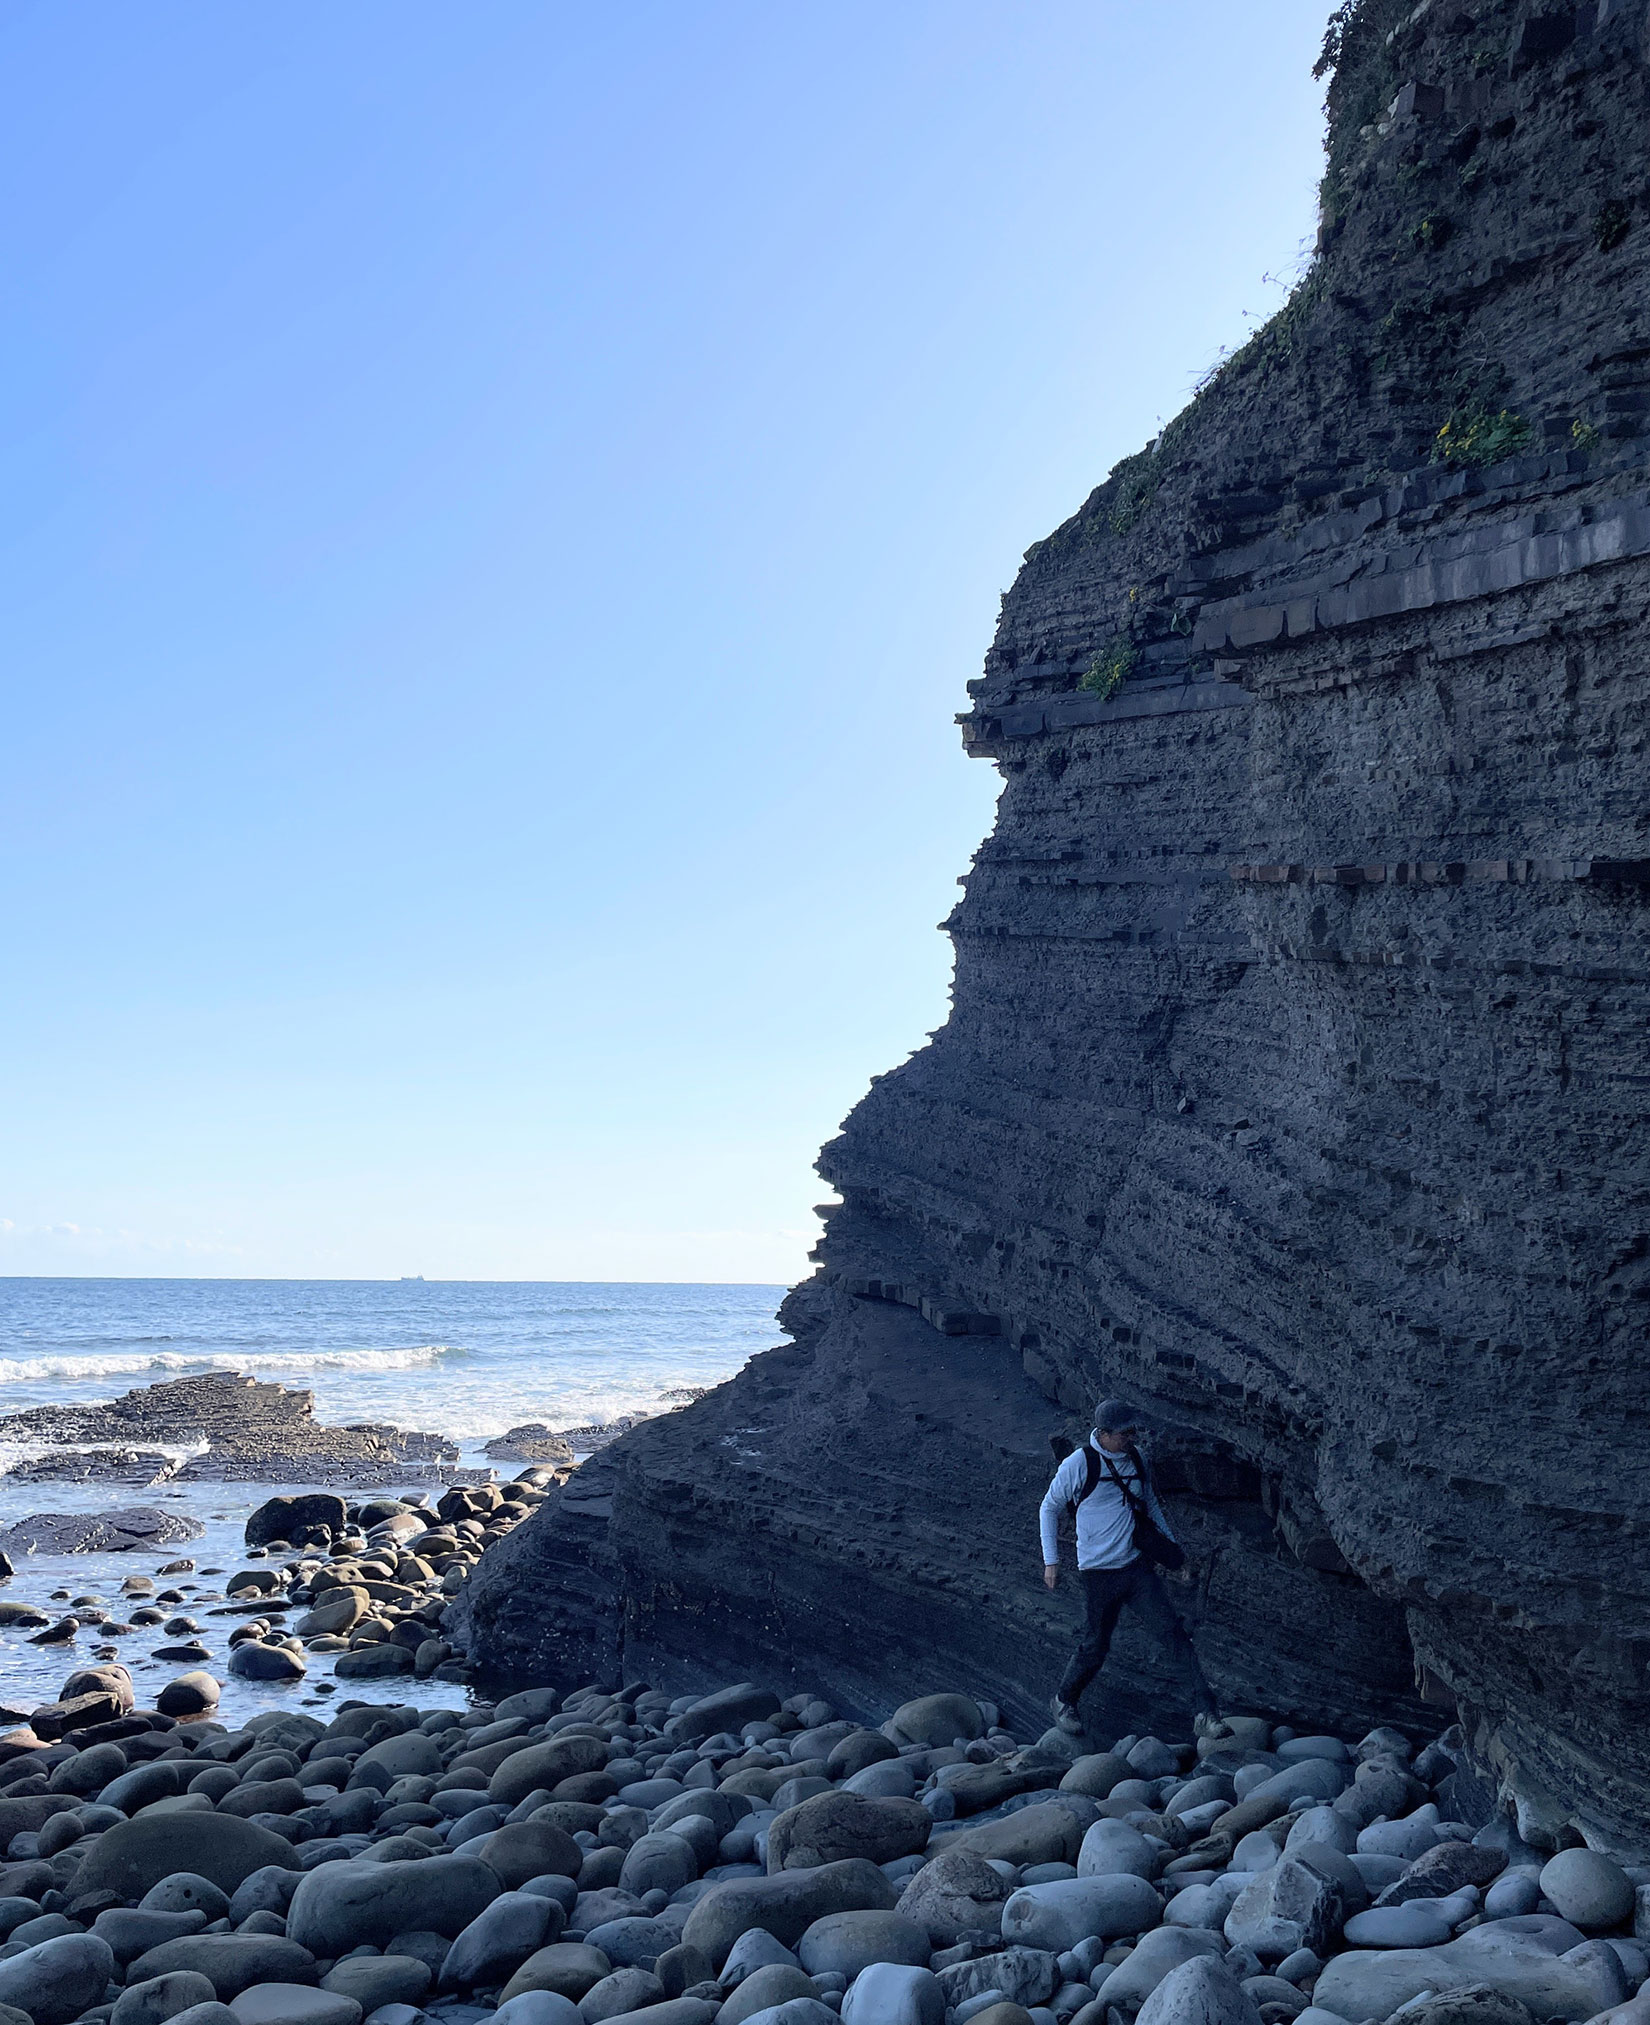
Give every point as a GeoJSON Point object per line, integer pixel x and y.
{"type": "Point", "coordinates": [1296, 1076]}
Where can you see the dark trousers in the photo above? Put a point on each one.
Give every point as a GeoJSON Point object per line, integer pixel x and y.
{"type": "Point", "coordinates": [1105, 1592]}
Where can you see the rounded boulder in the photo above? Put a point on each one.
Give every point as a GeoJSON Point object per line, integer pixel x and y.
{"type": "Point", "coordinates": [832, 1826]}
{"type": "Point", "coordinates": [957, 1893]}
{"type": "Point", "coordinates": [162, 1998]}
{"type": "Point", "coordinates": [843, 1943]}
{"type": "Point", "coordinates": [933, 1720]}
{"type": "Point", "coordinates": [129, 1860]}
{"type": "Point", "coordinates": [339, 1906]}
{"type": "Point", "coordinates": [891, 1993]}
{"type": "Point", "coordinates": [785, 1904]}
{"type": "Point", "coordinates": [1057, 1916]}
{"type": "Point", "coordinates": [1589, 1890]}
{"type": "Point", "coordinates": [525, 1849]}
{"type": "Point", "coordinates": [56, 1980]}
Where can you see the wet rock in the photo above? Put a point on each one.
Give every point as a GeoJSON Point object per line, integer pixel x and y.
{"type": "Point", "coordinates": [134, 1529]}
{"type": "Point", "coordinates": [195, 1693]}
{"type": "Point", "coordinates": [255, 1661]}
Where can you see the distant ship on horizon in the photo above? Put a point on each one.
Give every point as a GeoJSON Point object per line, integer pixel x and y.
{"type": "Point", "coordinates": [412, 1279]}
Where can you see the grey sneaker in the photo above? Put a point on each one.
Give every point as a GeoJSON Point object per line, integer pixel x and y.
{"type": "Point", "coordinates": [1066, 1718]}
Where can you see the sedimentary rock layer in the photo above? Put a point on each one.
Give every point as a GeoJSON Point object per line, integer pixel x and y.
{"type": "Point", "coordinates": [1295, 1076]}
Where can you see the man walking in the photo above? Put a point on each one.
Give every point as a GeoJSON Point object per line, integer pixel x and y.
{"type": "Point", "coordinates": [1108, 1487]}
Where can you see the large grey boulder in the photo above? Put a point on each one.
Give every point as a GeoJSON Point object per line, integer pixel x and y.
{"type": "Point", "coordinates": [1111, 1848]}
{"type": "Point", "coordinates": [499, 1939]}
{"type": "Point", "coordinates": [956, 1893]}
{"type": "Point", "coordinates": [1591, 1891]}
{"type": "Point", "coordinates": [891, 1993]}
{"type": "Point", "coordinates": [231, 1963]}
{"type": "Point", "coordinates": [842, 1944]}
{"type": "Point", "coordinates": [339, 1906]}
{"type": "Point", "coordinates": [1445, 1868]}
{"type": "Point", "coordinates": [786, 1905]}
{"type": "Point", "coordinates": [56, 1980]}
{"type": "Point", "coordinates": [1288, 1906]}
{"type": "Point", "coordinates": [773, 1983]}
{"type": "Point", "coordinates": [569, 1968]}
{"type": "Point", "coordinates": [1049, 1831]}
{"type": "Point", "coordinates": [935, 1719]}
{"type": "Point", "coordinates": [161, 1998]}
{"type": "Point", "coordinates": [1158, 1954]}
{"type": "Point", "coordinates": [832, 1826]}
{"type": "Point", "coordinates": [1057, 1916]}
{"type": "Point", "coordinates": [281, 1518]}
{"type": "Point", "coordinates": [658, 1863]}
{"type": "Point", "coordinates": [547, 1764]}
{"type": "Point", "coordinates": [1021, 1975]}
{"type": "Point", "coordinates": [127, 1860]}
{"type": "Point", "coordinates": [1539, 1960]}
{"type": "Point", "coordinates": [1203, 1991]}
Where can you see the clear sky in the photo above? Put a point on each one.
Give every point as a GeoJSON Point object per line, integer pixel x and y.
{"type": "Point", "coordinates": [500, 505]}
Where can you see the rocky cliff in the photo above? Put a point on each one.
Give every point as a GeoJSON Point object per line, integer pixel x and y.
{"type": "Point", "coordinates": [1295, 1079]}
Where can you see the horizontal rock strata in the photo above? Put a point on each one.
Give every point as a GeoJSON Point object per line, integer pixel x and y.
{"type": "Point", "coordinates": [1294, 1080]}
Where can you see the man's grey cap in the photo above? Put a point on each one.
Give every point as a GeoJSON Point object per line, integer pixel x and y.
{"type": "Point", "coordinates": [1115, 1416]}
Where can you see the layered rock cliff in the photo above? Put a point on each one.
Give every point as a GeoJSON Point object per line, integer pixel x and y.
{"type": "Point", "coordinates": [1295, 1079]}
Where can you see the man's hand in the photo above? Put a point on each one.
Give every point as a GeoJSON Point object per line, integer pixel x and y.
{"type": "Point", "coordinates": [1051, 1574]}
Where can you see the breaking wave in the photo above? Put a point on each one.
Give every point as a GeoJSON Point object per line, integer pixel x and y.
{"type": "Point", "coordinates": [181, 1363]}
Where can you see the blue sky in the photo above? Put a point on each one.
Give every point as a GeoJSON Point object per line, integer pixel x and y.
{"type": "Point", "coordinates": [501, 506]}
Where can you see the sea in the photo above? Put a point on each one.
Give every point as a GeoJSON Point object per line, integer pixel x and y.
{"type": "Point", "coordinates": [463, 1358]}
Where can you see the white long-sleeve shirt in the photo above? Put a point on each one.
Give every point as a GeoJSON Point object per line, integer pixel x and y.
{"type": "Point", "coordinates": [1105, 1521]}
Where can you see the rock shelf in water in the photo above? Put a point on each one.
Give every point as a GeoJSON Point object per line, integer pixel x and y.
{"type": "Point", "coordinates": [252, 1430]}
{"type": "Point", "coordinates": [726, 1858]}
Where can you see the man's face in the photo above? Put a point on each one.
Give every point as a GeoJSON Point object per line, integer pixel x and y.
{"type": "Point", "coordinates": [1116, 1439]}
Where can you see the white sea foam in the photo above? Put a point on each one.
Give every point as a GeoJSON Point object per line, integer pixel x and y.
{"type": "Point", "coordinates": [178, 1363]}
